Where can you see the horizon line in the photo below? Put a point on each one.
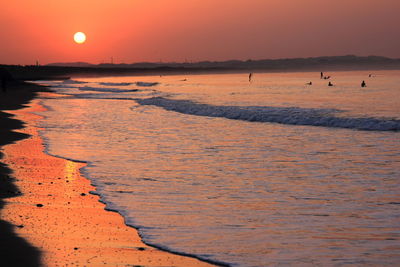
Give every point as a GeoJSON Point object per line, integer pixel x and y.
{"type": "Point", "coordinates": [199, 61]}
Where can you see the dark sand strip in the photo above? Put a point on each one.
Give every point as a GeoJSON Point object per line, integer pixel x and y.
{"type": "Point", "coordinates": [14, 250]}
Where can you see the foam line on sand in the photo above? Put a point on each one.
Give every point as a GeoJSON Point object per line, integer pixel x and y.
{"type": "Point", "coordinates": [56, 213]}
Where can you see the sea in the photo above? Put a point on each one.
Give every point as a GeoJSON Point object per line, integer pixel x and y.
{"type": "Point", "coordinates": [268, 172]}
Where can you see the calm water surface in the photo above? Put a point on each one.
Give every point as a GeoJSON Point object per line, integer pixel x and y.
{"type": "Point", "coordinates": [273, 172]}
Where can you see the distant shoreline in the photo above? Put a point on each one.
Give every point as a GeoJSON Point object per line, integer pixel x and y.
{"type": "Point", "coordinates": [82, 69]}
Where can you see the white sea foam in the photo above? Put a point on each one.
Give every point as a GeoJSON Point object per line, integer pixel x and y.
{"type": "Point", "coordinates": [146, 84]}
{"type": "Point", "coordinates": [73, 82]}
{"type": "Point", "coordinates": [115, 84]}
{"type": "Point", "coordinates": [284, 115]}
{"type": "Point", "coordinates": [110, 90]}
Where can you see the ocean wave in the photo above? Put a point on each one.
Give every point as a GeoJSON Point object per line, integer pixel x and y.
{"type": "Point", "coordinates": [146, 84]}
{"type": "Point", "coordinates": [283, 115]}
{"type": "Point", "coordinates": [115, 84]}
{"type": "Point", "coordinates": [73, 82]}
{"type": "Point", "coordinates": [107, 90]}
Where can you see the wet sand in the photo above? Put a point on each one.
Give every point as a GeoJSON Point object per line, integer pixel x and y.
{"type": "Point", "coordinates": [11, 245]}
{"type": "Point", "coordinates": [55, 217]}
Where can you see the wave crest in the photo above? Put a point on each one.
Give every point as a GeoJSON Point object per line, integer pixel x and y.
{"type": "Point", "coordinates": [283, 115]}
{"type": "Point", "coordinates": [146, 84]}
{"type": "Point", "coordinates": [106, 90]}
{"type": "Point", "coordinates": [115, 84]}
{"type": "Point", "coordinates": [73, 82]}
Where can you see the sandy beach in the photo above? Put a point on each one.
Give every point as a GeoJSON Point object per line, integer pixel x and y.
{"type": "Point", "coordinates": [12, 246]}
{"type": "Point", "coordinates": [48, 213]}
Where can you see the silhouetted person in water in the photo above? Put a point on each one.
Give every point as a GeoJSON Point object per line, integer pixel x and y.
{"type": "Point", "coordinates": [322, 74]}
{"type": "Point", "coordinates": [330, 84]}
{"type": "Point", "coordinates": [310, 83]}
{"type": "Point", "coordinates": [250, 75]}
{"type": "Point", "coordinates": [363, 84]}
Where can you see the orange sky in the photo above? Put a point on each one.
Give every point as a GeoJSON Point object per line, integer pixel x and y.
{"type": "Point", "coordinates": [195, 30]}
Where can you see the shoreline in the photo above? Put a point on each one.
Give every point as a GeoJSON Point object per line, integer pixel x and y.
{"type": "Point", "coordinates": [56, 213]}
{"type": "Point", "coordinates": [12, 245]}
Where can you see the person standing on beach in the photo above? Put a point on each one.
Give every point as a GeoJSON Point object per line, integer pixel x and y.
{"type": "Point", "coordinates": [250, 75]}
{"type": "Point", "coordinates": [322, 75]}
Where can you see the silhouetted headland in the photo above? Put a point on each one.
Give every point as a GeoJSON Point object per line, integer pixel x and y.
{"type": "Point", "coordinates": [64, 70]}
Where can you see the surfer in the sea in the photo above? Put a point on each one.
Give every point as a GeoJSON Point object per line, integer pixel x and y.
{"type": "Point", "coordinates": [363, 84]}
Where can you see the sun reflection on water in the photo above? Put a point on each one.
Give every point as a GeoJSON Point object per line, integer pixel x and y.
{"type": "Point", "coordinates": [70, 170]}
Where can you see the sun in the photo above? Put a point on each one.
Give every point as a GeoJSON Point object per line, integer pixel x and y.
{"type": "Point", "coordinates": [79, 37]}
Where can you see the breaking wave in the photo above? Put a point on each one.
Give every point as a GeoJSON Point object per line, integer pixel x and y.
{"type": "Point", "coordinates": [108, 90]}
{"type": "Point", "coordinates": [73, 82]}
{"type": "Point", "coordinates": [283, 115]}
{"type": "Point", "coordinates": [115, 84]}
{"type": "Point", "coordinates": [146, 84]}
